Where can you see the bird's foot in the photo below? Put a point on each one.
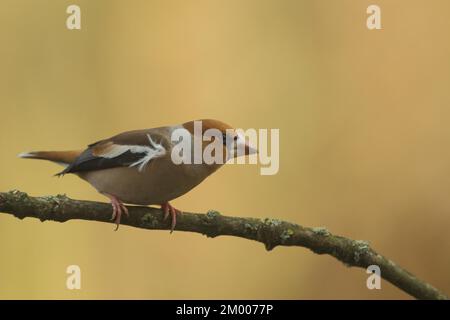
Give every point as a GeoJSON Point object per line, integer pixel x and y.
{"type": "Point", "coordinates": [118, 209]}
{"type": "Point", "coordinates": [168, 209]}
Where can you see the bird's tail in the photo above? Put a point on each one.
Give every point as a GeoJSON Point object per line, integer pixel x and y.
{"type": "Point", "coordinates": [63, 158]}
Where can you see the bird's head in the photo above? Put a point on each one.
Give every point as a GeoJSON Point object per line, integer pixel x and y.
{"type": "Point", "coordinates": [233, 142]}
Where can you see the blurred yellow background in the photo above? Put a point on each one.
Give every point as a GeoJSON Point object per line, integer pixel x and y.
{"type": "Point", "coordinates": [364, 127]}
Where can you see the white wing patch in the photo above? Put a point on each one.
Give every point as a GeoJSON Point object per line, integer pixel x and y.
{"type": "Point", "coordinates": [152, 151]}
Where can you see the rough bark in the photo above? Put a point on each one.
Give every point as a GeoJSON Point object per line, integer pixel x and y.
{"type": "Point", "coordinates": [270, 232]}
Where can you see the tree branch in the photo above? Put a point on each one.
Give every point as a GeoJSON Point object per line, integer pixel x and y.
{"type": "Point", "coordinates": [270, 232]}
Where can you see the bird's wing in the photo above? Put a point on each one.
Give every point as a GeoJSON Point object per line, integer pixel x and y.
{"type": "Point", "coordinates": [128, 149]}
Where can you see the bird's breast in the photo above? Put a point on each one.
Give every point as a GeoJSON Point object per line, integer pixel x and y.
{"type": "Point", "coordinates": [157, 183]}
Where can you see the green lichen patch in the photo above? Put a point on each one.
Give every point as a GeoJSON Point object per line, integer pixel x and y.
{"type": "Point", "coordinates": [212, 214]}
{"type": "Point", "coordinates": [361, 247]}
{"type": "Point", "coordinates": [286, 234]}
{"type": "Point", "coordinates": [60, 198]}
{"type": "Point", "coordinates": [149, 220]}
{"type": "Point", "coordinates": [18, 194]}
{"type": "Point", "coordinates": [272, 222]}
{"type": "Point", "coordinates": [321, 231]}
{"type": "Point", "coordinates": [250, 226]}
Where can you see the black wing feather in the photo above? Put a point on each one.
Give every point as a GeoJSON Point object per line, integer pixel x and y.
{"type": "Point", "coordinates": [88, 162]}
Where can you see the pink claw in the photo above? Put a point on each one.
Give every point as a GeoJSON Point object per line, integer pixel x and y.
{"type": "Point", "coordinates": [168, 209]}
{"type": "Point", "coordinates": [118, 208]}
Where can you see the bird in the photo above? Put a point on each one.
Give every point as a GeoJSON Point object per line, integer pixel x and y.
{"type": "Point", "coordinates": [137, 167]}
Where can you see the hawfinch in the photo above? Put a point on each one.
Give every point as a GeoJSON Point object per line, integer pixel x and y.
{"type": "Point", "coordinates": [136, 167]}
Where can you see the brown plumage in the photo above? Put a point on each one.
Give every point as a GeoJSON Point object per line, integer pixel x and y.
{"type": "Point", "coordinates": [135, 167]}
{"type": "Point", "coordinates": [63, 157]}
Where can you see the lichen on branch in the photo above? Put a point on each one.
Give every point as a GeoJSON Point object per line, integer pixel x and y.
{"type": "Point", "coordinates": [270, 232]}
